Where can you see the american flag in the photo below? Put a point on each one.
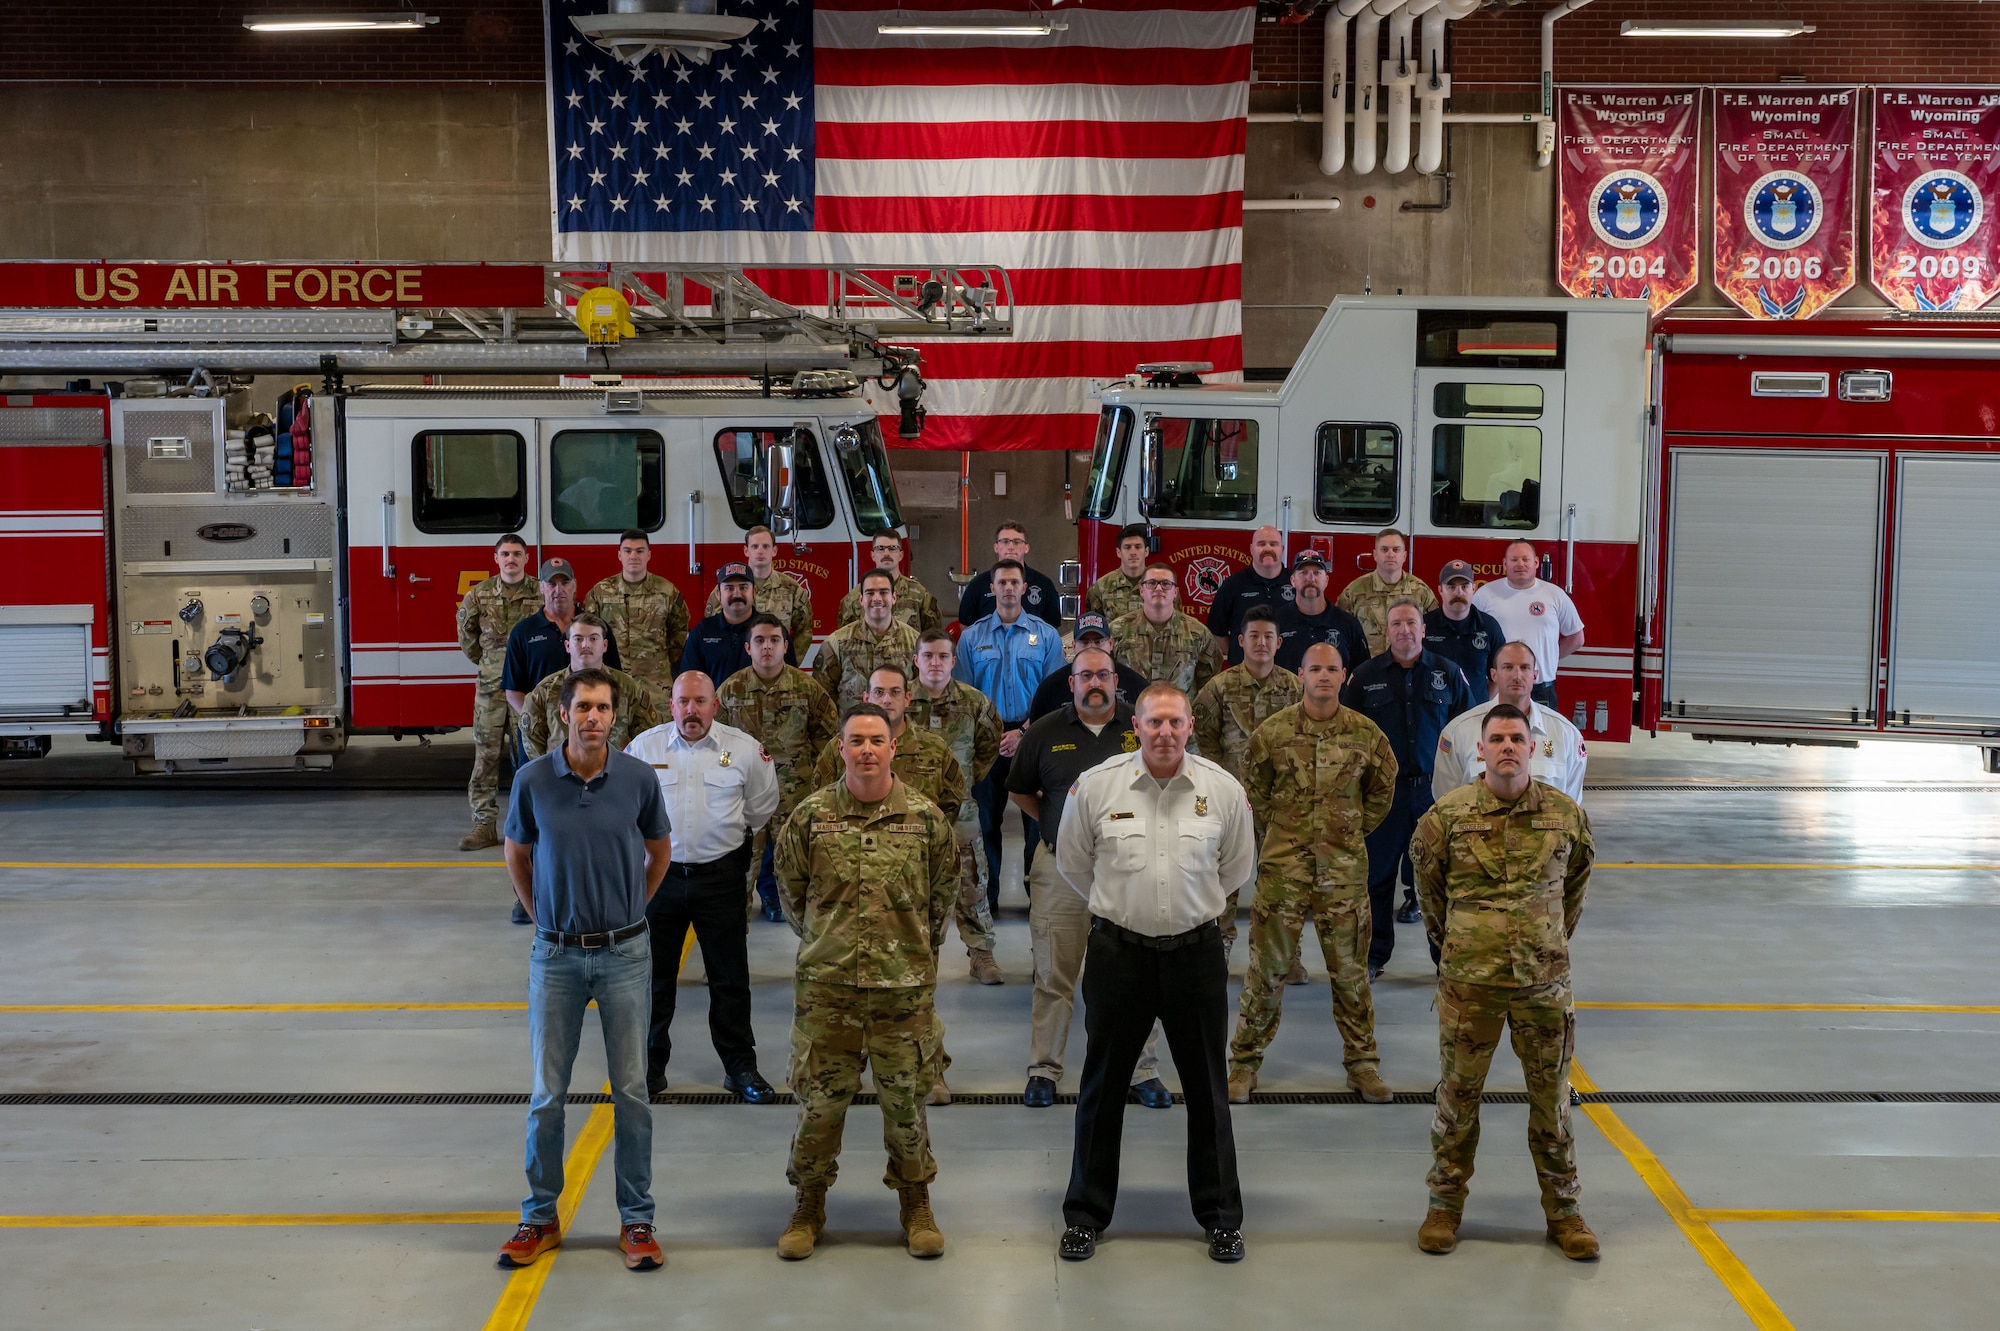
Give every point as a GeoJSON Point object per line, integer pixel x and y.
{"type": "Point", "coordinates": [1102, 166]}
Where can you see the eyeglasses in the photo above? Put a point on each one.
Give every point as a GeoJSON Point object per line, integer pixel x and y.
{"type": "Point", "coordinates": [1155, 585]}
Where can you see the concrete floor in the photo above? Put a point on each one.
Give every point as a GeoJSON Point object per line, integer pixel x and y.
{"type": "Point", "coordinates": [1333, 1193]}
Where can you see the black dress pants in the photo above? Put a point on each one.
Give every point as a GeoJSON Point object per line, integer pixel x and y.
{"type": "Point", "coordinates": [1126, 987]}
{"type": "Point", "coordinates": [1389, 859]}
{"type": "Point", "coordinates": [990, 793]}
{"type": "Point", "coordinates": [707, 898]}
{"type": "Point", "coordinates": [1544, 693]}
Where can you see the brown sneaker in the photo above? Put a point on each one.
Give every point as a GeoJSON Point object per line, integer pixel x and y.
{"type": "Point", "coordinates": [642, 1252]}
{"type": "Point", "coordinates": [528, 1244]}
{"type": "Point", "coordinates": [940, 1093]}
{"type": "Point", "coordinates": [920, 1231]}
{"type": "Point", "coordinates": [984, 969]}
{"type": "Point", "coordinates": [483, 836]}
{"type": "Point", "coordinates": [1439, 1232]}
{"type": "Point", "coordinates": [807, 1224]}
{"type": "Point", "coordinates": [1577, 1240]}
{"type": "Point", "coordinates": [1297, 974]}
{"type": "Point", "coordinates": [1368, 1084]}
{"type": "Point", "coordinates": [1242, 1081]}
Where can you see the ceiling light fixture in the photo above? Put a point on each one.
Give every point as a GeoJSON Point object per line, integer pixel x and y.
{"type": "Point", "coordinates": [404, 21]}
{"type": "Point", "coordinates": [1703, 28]}
{"type": "Point", "coordinates": [689, 30]}
{"type": "Point", "coordinates": [935, 29]}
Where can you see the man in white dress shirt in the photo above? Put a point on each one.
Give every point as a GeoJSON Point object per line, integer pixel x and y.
{"type": "Point", "coordinates": [1155, 842]}
{"type": "Point", "coordinates": [1535, 612]}
{"type": "Point", "coordinates": [1557, 755]}
{"type": "Point", "coordinates": [719, 787]}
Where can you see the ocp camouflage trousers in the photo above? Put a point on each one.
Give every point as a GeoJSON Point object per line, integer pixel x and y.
{"type": "Point", "coordinates": [492, 722]}
{"type": "Point", "coordinates": [835, 1028]}
{"type": "Point", "coordinates": [975, 914]}
{"type": "Point", "coordinates": [1277, 926]}
{"type": "Point", "coordinates": [1542, 1024]}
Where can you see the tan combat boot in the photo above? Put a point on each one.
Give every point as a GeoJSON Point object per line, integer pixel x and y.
{"type": "Point", "coordinates": [1242, 1081]}
{"type": "Point", "coordinates": [808, 1223]}
{"type": "Point", "coordinates": [1368, 1084]}
{"type": "Point", "coordinates": [1577, 1240]}
{"type": "Point", "coordinates": [940, 1093]}
{"type": "Point", "coordinates": [1439, 1232]}
{"type": "Point", "coordinates": [920, 1231]}
{"type": "Point", "coordinates": [482, 836]}
{"type": "Point", "coordinates": [984, 969]}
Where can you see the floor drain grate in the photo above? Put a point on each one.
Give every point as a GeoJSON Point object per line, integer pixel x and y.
{"type": "Point", "coordinates": [970, 1100]}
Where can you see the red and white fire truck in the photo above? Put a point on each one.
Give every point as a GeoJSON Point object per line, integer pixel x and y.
{"type": "Point", "coordinates": [221, 567]}
{"type": "Point", "coordinates": [1771, 531]}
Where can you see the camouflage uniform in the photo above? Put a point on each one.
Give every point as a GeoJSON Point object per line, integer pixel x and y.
{"type": "Point", "coordinates": [1114, 596]}
{"type": "Point", "coordinates": [1317, 788]}
{"type": "Point", "coordinates": [485, 616]}
{"type": "Point", "coordinates": [851, 653]}
{"type": "Point", "coordinates": [915, 606]}
{"type": "Point", "coordinates": [649, 618]}
{"type": "Point", "coordinates": [541, 724]}
{"type": "Point", "coordinates": [1502, 886]}
{"type": "Point", "coordinates": [1180, 652]}
{"type": "Point", "coordinates": [1227, 712]}
{"type": "Point", "coordinates": [1368, 601]}
{"type": "Point", "coordinates": [792, 717]}
{"type": "Point", "coordinates": [868, 889]}
{"type": "Point", "coordinates": [965, 720]}
{"type": "Point", "coordinates": [785, 596]}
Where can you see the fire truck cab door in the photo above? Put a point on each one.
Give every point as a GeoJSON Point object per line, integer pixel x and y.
{"type": "Point", "coordinates": [460, 483]}
{"type": "Point", "coordinates": [1487, 454]}
{"type": "Point", "coordinates": [1216, 482]}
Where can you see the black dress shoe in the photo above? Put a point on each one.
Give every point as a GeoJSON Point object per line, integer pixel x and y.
{"type": "Point", "coordinates": [752, 1087]}
{"type": "Point", "coordinates": [1225, 1245]}
{"type": "Point", "coordinates": [521, 915]}
{"type": "Point", "coordinates": [773, 913]}
{"type": "Point", "coordinates": [1041, 1093]}
{"type": "Point", "coordinates": [1079, 1244]}
{"type": "Point", "coordinates": [656, 1084]}
{"type": "Point", "coordinates": [1374, 974]}
{"type": "Point", "coordinates": [1407, 913]}
{"type": "Point", "coordinates": [1152, 1094]}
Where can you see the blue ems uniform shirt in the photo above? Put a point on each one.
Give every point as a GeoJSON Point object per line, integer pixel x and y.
{"type": "Point", "coordinates": [1411, 706]}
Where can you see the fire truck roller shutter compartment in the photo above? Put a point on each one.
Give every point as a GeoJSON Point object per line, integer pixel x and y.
{"type": "Point", "coordinates": [1774, 585]}
{"type": "Point", "coordinates": [1942, 649]}
{"type": "Point", "coordinates": [227, 645]}
{"type": "Point", "coordinates": [44, 665]}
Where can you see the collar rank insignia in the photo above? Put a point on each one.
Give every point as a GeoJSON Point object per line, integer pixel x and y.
{"type": "Point", "coordinates": [1201, 806]}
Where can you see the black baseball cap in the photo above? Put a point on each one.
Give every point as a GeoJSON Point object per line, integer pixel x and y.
{"type": "Point", "coordinates": [1092, 622]}
{"type": "Point", "coordinates": [733, 573]}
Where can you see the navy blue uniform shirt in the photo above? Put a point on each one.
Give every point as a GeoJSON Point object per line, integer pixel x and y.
{"type": "Point", "coordinates": [1473, 642]}
{"type": "Point", "coordinates": [536, 649]}
{"type": "Point", "coordinates": [1411, 705]}
{"type": "Point", "coordinates": [1298, 630]}
{"type": "Point", "coordinates": [1239, 591]}
{"type": "Point", "coordinates": [589, 839]}
{"type": "Point", "coordinates": [719, 648]}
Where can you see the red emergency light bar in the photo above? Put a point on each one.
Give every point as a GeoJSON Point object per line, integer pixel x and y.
{"type": "Point", "coordinates": [98, 284]}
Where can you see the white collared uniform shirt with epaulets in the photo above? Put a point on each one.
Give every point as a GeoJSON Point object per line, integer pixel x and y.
{"type": "Point", "coordinates": [718, 790]}
{"type": "Point", "coordinates": [1558, 757]}
{"type": "Point", "coordinates": [1158, 858]}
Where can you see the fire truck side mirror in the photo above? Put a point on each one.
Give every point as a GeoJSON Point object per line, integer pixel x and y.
{"type": "Point", "coordinates": [1151, 451]}
{"type": "Point", "coordinates": [781, 492]}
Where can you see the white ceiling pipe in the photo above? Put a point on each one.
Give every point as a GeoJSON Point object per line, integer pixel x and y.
{"type": "Point", "coordinates": [1367, 96]}
{"type": "Point", "coordinates": [1399, 77]}
{"type": "Point", "coordinates": [1291, 205]}
{"type": "Point", "coordinates": [1434, 83]}
{"type": "Point", "coordinates": [1547, 149]}
{"type": "Point", "coordinates": [1333, 94]}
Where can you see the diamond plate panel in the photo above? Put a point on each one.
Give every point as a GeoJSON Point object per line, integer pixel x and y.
{"type": "Point", "coordinates": [194, 474]}
{"type": "Point", "coordinates": [190, 744]}
{"type": "Point", "coordinates": [282, 531]}
{"type": "Point", "coordinates": [51, 425]}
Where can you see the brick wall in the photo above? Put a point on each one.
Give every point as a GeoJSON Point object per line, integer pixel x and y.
{"type": "Point", "coordinates": [1853, 43]}
{"type": "Point", "coordinates": [205, 42]}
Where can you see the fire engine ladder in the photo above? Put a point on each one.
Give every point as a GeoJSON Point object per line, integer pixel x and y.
{"type": "Point", "coordinates": [687, 318]}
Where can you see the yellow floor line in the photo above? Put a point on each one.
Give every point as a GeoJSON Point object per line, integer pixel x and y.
{"type": "Point", "coordinates": [252, 864]}
{"type": "Point", "coordinates": [1728, 1268]}
{"type": "Point", "coordinates": [1715, 1216]}
{"type": "Point", "coordinates": [1797, 864]}
{"type": "Point", "coordinates": [278, 1219]}
{"type": "Point", "coordinates": [1607, 1006]}
{"type": "Point", "coordinates": [524, 1287]}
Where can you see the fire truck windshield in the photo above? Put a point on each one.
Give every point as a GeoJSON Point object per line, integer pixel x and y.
{"type": "Point", "coordinates": [1107, 462]}
{"type": "Point", "coordinates": [864, 461]}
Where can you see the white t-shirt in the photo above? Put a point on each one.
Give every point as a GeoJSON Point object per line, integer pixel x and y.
{"type": "Point", "coordinates": [1540, 616]}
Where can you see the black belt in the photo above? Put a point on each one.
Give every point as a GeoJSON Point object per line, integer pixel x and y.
{"type": "Point", "coordinates": [681, 870]}
{"type": "Point", "coordinates": [1169, 943]}
{"type": "Point", "coordinates": [591, 940]}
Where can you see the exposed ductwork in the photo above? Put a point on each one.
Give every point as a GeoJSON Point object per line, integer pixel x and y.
{"type": "Point", "coordinates": [1546, 148]}
{"type": "Point", "coordinates": [1434, 82]}
{"type": "Point", "coordinates": [1367, 95]}
{"type": "Point", "coordinates": [1399, 78]}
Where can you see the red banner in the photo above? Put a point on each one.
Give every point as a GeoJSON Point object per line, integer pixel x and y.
{"type": "Point", "coordinates": [1937, 157]}
{"type": "Point", "coordinates": [1784, 198]}
{"type": "Point", "coordinates": [1628, 191]}
{"type": "Point", "coordinates": [58, 285]}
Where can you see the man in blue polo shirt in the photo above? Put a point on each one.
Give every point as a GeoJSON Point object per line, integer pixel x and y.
{"type": "Point", "coordinates": [587, 845]}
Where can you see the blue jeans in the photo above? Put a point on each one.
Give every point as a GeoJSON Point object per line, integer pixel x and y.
{"type": "Point", "coordinates": [561, 983]}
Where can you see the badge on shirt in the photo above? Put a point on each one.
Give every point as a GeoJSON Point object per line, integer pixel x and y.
{"type": "Point", "coordinates": [1437, 679]}
{"type": "Point", "coordinates": [723, 761]}
{"type": "Point", "coordinates": [1033, 640]}
{"type": "Point", "coordinates": [1479, 641]}
{"type": "Point", "coordinates": [1201, 806]}
{"type": "Point", "coordinates": [1548, 748]}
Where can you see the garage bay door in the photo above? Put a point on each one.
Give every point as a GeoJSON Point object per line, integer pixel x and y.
{"type": "Point", "coordinates": [1945, 639]}
{"type": "Point", "coordinates": [1774, 584]}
